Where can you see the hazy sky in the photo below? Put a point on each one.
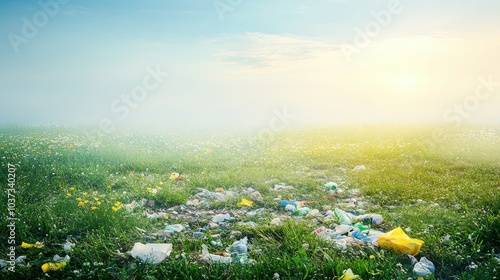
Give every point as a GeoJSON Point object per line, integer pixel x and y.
{"type": "Point", "coordinates": [249, 63]}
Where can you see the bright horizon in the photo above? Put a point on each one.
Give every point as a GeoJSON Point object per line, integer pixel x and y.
{"type": "Point", "coordinates": [187, 64]}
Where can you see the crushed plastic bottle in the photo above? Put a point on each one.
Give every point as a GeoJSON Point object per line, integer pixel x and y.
{"type": "Point", "coordinates": [217, 243]}
{"type": "Point", "coordinates": [343, 217]}
{"type": "Point", "coordinates": [238, 247]}
{"type": "Point", "coordinates": [207, 257]}
{"type": "Point", "coordinates": [221, 218]}
{"type": "Point", "coordinates": [370, 219]}
{"type": "Point", "coordinates": [330, 186]}
{"type": "Point", "coordinates": [282, 187]}
{"type": "Point", "coordinates": [361, 227]}
{"type": "Point", "coordinates": [343, 229]}
{"type": "Point", "coordinates": [290, 208]}
{"type": "Point", "coordinates": [284, 203]}
{"type": "Point", "coordinates": [174, 228]}
{"type": "Point", "coordinates": [301, 211]}
{"type": "Point", "coordinates": [198, 234]}
{"type": "Point", "coordinates": [361, 236]}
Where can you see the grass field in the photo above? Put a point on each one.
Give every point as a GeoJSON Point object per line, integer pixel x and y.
{"type": "Point", "coordinates": [442, 188]}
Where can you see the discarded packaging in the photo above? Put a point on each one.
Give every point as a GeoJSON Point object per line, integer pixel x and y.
{"type": "Point", "coordinates": [174, 228]}
{"type": "Point", "coordinates": [245, 202]}
{"type": "Point", "coordinates": [21, 259]}
{"type": "Point", "coordinates": [150, 252]}
{"type": "Point", "coordinates": [343, 217]}
{"type": "Point", "coordinates": [374, 219]}
{"type": "Point", "coordinates": [314, 212]}
{"type": "Point", "coordinates": [256, 196]}
{"type": "Point", "coordinates": [361, 236]}
{"type": "Point", "coordinates": [360, 227]}
{"type": "Point", "coordinates": [349, 275]}
{"type": "Point", "coordinates": [290, 208]}
{"type": "Point", "coordinates": [424, 267]}
{"type": "Point", "coordinates": [68, 245]}
{"type": "Point", "coordinates": [239, 247]}
{"type": "Point", "coordinates": [319, 230]}
{"type": "Point", "coordinates": [37, 245]}
{"type": "Point", "coordinates": [57, 258]}
{"type": "Point", "coordinates": [276, 221]}
{"type": "Point", "coordinates": [301, 211]}
{"type": "Point", "coordinates": [330, 186]}
{"type": "Point", "coordinates": [50, 266]}
{"type": "Point", "coordinates": [282, 187]}
{"type": "Point", "coordinates": [207, 257]}
{"type": "Point", "coordinates": [343, 229]}
{"type": "Point", "coordinates": [175, 176]}
{"type": "Point", "coordinates": [398, 241]}
{"type": "Point", "coordinates": [359, 168]}
{"type": "Point", "coordinates": [221, 218]}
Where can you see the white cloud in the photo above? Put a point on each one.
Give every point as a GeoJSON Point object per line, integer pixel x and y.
{"type": "Point", "coordinates": [270, 50]}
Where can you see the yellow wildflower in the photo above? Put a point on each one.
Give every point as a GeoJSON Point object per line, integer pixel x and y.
{"type": "Point", "coordinates": [84, 193]}
{"type": "Point", "coordinates": [114, 208]}
{"type": "Point", "coordinates": [86, 201]}
{"type": "Point", "coordinates": [68, 194]}
{"type": "Point", "coordinates": [72, 188]}
{"type": "Point", "coordinates": [118, 203]}
{"type": "Point", "coordinates": [80, 203]}
{"type": "Point", "coordinates": [79, 199]}
{"type": "Point", "coordinates": [98, 203]}
{"type": "Point", "coordinates": [93, 208]}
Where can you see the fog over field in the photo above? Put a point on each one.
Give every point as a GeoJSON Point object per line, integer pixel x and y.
{"type": "Point", "coordinates": [249, 64]}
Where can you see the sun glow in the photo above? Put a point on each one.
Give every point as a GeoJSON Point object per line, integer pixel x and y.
{"type": "Point", "coordinates": [405, 83]}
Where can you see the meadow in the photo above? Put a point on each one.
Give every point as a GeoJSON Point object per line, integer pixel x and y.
{"type": "Point", "coordinates": [70, 185]}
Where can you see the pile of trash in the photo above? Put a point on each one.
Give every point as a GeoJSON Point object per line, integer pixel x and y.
{"type": "Point", "coordinates": [352, 225]}
{"type": "Point", "coordinates": [57, 262]}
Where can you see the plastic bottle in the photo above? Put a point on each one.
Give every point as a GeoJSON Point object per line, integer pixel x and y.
{"type": "Point", "coordinates": [290, 208]}
{"type": "Point", "coordinates": [330, 186]}
{"type": "Point", "coordinates": [342, 216]}
{"type": "Point", "coordinates": [284, 203]}
{"type": "Point", "coordinates": [361, 227]}
{"type": "Point", "coordinates": [301, 211]}
{"type": "Point", "coordinates": [174, 228]}
{"type": "Point", "coordinates": [361, 236]}
{"type": "Point", "coordinates": [374, 219]}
